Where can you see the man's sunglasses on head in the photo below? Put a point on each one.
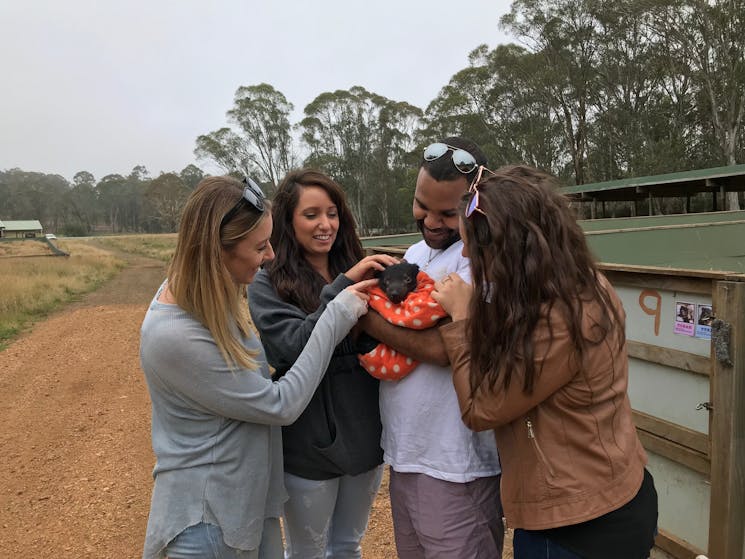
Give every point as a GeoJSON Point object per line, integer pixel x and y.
{"type": "Point", "coordinates": [463, 161]}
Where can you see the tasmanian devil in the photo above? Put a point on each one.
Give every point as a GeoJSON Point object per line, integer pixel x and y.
{"type": "Point", "coordinates": [398, 280]}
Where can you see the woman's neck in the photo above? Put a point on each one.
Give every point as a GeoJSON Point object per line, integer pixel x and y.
{"type": "Point", "coordinates": [320, 263]}
{"type": "Point", "coordinates": [166, 296]}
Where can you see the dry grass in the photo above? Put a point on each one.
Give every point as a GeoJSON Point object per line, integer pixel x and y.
{"type": "Point", "coordinates": [24, 247]}
{"type": "Point", "coordinates": [30, 288]}
{"type": "Point", "coordinates": [160, 247]}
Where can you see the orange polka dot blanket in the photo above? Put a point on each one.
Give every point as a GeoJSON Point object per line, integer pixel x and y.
{"type": "Point", "coordinates": [418, 311]}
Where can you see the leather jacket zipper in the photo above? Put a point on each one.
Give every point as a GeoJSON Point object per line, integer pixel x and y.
{"type": "Point", "coordinates": [531, 436]}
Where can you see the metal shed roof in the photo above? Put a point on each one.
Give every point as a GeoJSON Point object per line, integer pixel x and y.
{"type": "Point", "coordinates": [730, 178]}
{"type": "Point", "coordinates": [23, 225]}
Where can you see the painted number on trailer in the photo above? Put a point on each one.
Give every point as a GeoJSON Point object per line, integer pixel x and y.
{"type": "Point", "coordinates": [651, 303]}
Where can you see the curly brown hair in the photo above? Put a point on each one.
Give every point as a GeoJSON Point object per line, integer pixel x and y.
{"type": "Point", "coordinates": [528, 257]}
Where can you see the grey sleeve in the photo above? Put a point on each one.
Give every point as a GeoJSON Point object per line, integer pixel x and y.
{"type": "Point", "coordinates": [196, 371]}
{"type": "Point", "coordinates": [285, 328]}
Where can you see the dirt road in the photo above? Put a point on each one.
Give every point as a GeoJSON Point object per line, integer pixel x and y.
{"type": "Point", "coordinates": [76, 460]}
{"type": "Point", "coordinates": [75, 436]}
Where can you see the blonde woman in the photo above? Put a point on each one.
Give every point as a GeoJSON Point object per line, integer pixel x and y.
{"type": "Point", "coordinates": [216, 413]}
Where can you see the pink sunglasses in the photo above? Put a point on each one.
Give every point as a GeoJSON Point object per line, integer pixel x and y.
{"type": "Point", "coordinates": [473, 205]}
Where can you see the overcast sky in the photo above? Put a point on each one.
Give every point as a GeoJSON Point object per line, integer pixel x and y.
{"type": "Point", "coordinates": [104, 86]}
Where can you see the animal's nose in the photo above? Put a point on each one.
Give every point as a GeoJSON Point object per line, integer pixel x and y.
{"type": "Point", "coordinates": [396, 297]}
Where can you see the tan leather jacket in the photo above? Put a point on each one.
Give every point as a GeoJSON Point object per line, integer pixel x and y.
{"type": "Point", "coordinates": [569, 450]}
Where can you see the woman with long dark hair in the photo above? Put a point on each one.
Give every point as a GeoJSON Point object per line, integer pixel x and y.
{"type": "Point", "coordinates": [332, 453]}
{"type": "Point", "coordinates": [538, 350]}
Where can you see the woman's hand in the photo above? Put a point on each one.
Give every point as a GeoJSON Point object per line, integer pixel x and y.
{"type": "Point", "coordinates": [366, 268]}
{"type": "Point", "coordinates": [355, 297]}
{"type": "Point", "coordinates": [454, 295]}
{"type": "Point", "coordinates": [360, 289]}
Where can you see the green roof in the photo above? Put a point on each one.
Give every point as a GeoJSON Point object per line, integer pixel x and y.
{"type": "Point", "coordinates": [731, 178]}
{"type": "Point", "coordinates": [22, 225]}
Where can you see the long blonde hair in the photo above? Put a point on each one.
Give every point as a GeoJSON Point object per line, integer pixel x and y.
{"type": "Point", "coordinates": [197, 276]}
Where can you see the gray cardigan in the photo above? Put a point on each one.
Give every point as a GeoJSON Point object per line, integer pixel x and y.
{"type": "Point", "coordinates": [216, 431]}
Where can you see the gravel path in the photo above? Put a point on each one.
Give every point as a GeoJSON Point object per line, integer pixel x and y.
{"type": "Point", "coordinates": [75, 434]}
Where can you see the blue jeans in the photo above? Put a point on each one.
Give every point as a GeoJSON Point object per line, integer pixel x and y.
{"type": "Point", "coordinates": [527, 544]}
{"type": "Point", "coordinates": [205, 541]}
{"type": "Point", "coordinates": [326, 519]}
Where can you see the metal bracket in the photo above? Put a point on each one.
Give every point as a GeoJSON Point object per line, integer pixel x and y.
{"type": "Point", "coordinates": [720, 335]}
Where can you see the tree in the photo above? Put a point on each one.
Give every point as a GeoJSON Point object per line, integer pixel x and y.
{"type": "Point", "coordinates": [30, 195]}
{"type": "Point", "coordinates": [564, 35]}
{"type": "Point", "coordinates": [111, 192]}
{"type": "Point", "coordinates": [191, 175]}
{"type": "Point", "coordinates": [228, 150]}
{"type": "Point", "coordinates": [641, 104]}
{"type": "Point", "coordinates": [496, 103]}
{"type": "Point", "coordinates": [262, 138]}
{"type": "Point", "coordinates": [710, 36]}
{"type": "Point", "coordinates": [359, 137]}
{"type": "Point", "coordinates": [165, 198]}
{"type": "Point", "coordinates": [81, 203]}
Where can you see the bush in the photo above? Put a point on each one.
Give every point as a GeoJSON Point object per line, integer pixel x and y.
{"type": "Point", "coordinates": [75, 230]}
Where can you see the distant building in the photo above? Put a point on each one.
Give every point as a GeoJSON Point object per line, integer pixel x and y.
{"type": "Point", "coordinates": [21, 229]}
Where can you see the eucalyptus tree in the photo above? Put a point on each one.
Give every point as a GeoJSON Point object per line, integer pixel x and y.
{"type": "Point", "coordinates": [259, 143]}
{"type": "Point", "coordinates": [191, 175]}
{"type": "Point", "coordinates": [636, 130]}
{"type": "Point", "coordinates": [110, 191]}
{"type": "Point", "coordinates": [361, 139]}
{"type": "Point", "coordinates": [710, 36]}
{"type": "Point", "coordinates": [496, 102]}
{"type": "Point", "coordinates": [82, 204]}
{"type": "Point", "coordinates": [228, 150]}
{"type": "Point", "coordinates": [563, 34]}
{"type": "Point", "coordinates": [165, 197]}
{"type": "Point", "coordinates": [27, 195]}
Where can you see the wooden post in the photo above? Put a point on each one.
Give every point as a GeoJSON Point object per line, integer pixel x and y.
{"type": "Point", "coordinates": [651, 208]}
{"type": "Point", "coordinates": [727, 430]}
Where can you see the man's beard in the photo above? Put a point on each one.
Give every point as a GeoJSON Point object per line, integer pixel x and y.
{"type": "Point", "coordinates": [440, 243]}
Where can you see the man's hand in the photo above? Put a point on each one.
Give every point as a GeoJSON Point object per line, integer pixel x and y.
{"type": "Point", "coordinates": [422, 345]}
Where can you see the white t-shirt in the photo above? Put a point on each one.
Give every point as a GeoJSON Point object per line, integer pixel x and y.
{"type": "Point", "coordinates": [422, 427]}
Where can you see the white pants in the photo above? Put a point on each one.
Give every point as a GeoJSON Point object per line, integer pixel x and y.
{"type": "Point", "coordinates": [326, 519]}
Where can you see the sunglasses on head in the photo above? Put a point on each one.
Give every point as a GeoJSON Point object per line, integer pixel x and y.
{"type": "Point", "coordinates": [473, 204]}
{"type": "Point", "coordinates": [252, 195]}
{"type": "Point", "coordinates": [463, 161]}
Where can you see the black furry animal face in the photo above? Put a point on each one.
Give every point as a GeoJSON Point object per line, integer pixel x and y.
{"type": "Point", "coordinates": [398, 280]}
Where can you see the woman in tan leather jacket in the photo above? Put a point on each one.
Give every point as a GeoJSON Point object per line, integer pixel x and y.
{"type": "Point", "coordinates": [538, 352]}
